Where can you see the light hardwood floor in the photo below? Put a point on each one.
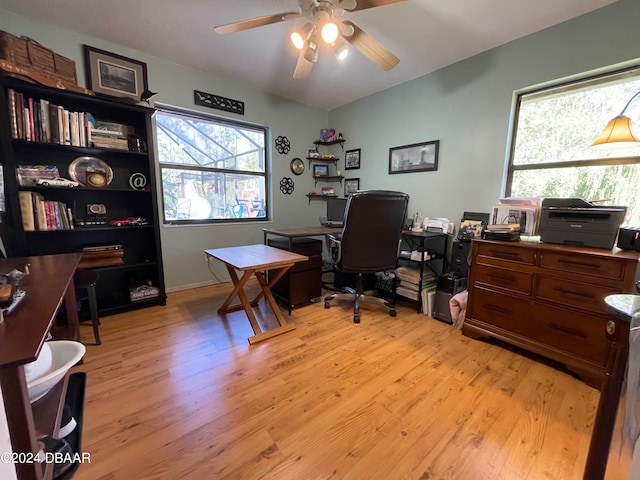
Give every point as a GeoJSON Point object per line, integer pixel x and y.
{"type": "Point", "coordinates": [176, 392]}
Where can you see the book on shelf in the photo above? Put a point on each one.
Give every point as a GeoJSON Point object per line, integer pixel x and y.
{"type": "Point", "coordinates": [13, 115]}
{"type": "Point", "coordinates": [40, 214]}
{"type": "Point", "coordinates": [428, 297]}
{"type": "Point", "coordinates": [38, 120]}
{"type": "Point", "coordinates": [27, 212]}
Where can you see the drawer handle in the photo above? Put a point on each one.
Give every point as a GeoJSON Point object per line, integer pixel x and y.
{"type": "Point", "coordinates": [506, 278]}
{"type": "Point", "coordinates": [580, 264]}
{"type": "Point", "coordinates": [575, 294]}
{"type": "Point", "coordinates": [570, 331]}
{"type": "Point", "coordinates": [497, 309]}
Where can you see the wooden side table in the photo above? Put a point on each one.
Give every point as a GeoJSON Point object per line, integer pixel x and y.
{"type": "Point", "coordinates": [253, 260]}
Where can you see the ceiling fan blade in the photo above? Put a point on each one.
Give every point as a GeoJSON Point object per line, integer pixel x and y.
{"type": "Point", "coordinates": [303, 67]}
{"type": "Point", "coordinates": [254, 22]}
{"type": "Point", "coordinates": [371, 48]}
{"type": "Point", "coordinates": [364, 4]}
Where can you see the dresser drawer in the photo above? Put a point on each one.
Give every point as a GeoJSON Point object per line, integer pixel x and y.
{"type": "Point", "coordinates": [519, 282]}
{"type": "Point", "coordinates": [601, 267]}
{"type": "Point", "coordinates": [574, 332]}
{"type": "Point", "coordinates": [581, 295]}
{"type": "Point", "coordinates": [503, 311]}
{"type": "Point", "coordinates": [507, 252]}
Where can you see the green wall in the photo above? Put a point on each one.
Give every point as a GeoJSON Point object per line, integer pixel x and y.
{"type": "Point", "coordinates": [467, 106]}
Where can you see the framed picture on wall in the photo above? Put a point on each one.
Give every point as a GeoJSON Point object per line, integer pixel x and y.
{"type": "Point", "coordinates": [351, 185]}
{"type": "Point", "coordinates": [114, 75]}
{"type": "Point", "coordinates": [418, 157]}
{"type": "Point", "coordinates": [352, 159]}
{"type": "Point", "coordinates": [320, 170]}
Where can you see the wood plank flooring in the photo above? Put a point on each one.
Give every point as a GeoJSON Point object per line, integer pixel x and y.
{"type": "Point", "coordinates": [176, 392]}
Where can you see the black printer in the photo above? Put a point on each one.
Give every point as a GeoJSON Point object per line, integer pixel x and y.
{"type": "Point", "coordinates": [573, 221]}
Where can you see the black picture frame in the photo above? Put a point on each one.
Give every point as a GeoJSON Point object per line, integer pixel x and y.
{"type": "Point", "coordinates": [417, 157]}
{"type": "Point", "coordinates": [113, 75]}
{"type": "Point", "coordinates": [351, 185]}
{"type": "Point", "coordinates": [352, 159]}
{"type": "Point", "coordinates": [320, 170]}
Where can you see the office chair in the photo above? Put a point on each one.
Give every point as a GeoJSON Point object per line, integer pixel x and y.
{"type": "Point", "coordinates": [369, 243]}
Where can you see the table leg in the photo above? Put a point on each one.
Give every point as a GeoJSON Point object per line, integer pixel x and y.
{"type": "Point", "coordinates": [266, 291]}
{"type": "Point", "coordinates": [244, 301]}
{"type": "Point", "coordinates": [272, 282]}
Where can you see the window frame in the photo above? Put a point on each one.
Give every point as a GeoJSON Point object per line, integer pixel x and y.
{"type": "Point", "coordinates": [218, 120]}
{"type": "Point", "coordinates": [557, 85]}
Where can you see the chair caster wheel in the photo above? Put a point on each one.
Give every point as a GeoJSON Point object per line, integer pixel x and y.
{"type": "Point", "coordinates": [327, 304]}
{"type": "Point", "coordinates": [392, 313]}
{"type": "Point", "coordinates": [356, 319]}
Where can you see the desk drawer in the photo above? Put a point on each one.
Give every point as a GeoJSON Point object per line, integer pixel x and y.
{"type": "Point", "coordinates": [519, 282]}
{"type": "Point", "coordinates": [302, 245]}
{"type": "Point", "coordinates": [580, 295]}
{"type": "Point", "coordinates": [506, 252]}
{"type": "Point", "coordinates": [601, 267]}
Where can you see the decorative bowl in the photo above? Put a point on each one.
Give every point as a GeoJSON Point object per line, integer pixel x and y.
{"type": "Point", "coordinates": [64, 355]}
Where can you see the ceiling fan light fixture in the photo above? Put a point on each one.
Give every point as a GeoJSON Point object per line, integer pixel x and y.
{"type": "Point", "coordinates": [300, 36]}
{"type": "Point", "coordinates": [329, 32]}
{"type": "Point", "coordinates": [311, 52]}
{"type": "Point", "coordinates": [340, 49]}
{"type": "Point", "coordinates": [347, 30]}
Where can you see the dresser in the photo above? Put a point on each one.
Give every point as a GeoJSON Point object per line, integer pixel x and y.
{"type": "Point", "coordinates": [549, 299]}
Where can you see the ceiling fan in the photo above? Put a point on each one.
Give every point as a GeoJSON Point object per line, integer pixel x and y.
{"type": "Point", "coordinates": [324, 23]}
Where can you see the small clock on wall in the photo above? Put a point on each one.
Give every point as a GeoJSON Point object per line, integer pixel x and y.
{"type": "Point", "coordinates": [297, 166]}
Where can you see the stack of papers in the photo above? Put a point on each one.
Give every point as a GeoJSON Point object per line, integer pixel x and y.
{"type": "Point", "coordinates": [525, 212]}
{"type": "Point", "coordinates": [409, 281]}
{"type": "Point", "coordinates": [504, 227]}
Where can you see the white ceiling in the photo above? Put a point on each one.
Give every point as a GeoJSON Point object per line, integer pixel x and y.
{"type": "Point", "coordinates": [425, 34]}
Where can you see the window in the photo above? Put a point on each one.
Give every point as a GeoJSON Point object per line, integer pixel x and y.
{"type": "Point", "coordinates": [212, 170]}
{"type": "Point", "coordinates": [554, 127]}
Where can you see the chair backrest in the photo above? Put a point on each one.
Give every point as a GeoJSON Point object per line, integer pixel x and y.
{"type": "Point", "coordinates": [373, 221]}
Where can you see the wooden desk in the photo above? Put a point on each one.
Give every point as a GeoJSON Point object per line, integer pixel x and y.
{"type": "Point", "coordinates": [21, 337]}
{"type": "Point", "coordinates": [253, 260]}
{"type": "Point", "coordinates": [291, 233]}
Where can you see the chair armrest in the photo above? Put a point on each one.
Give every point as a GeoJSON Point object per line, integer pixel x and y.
{"type": "Point", "coordinates": [334, 245]}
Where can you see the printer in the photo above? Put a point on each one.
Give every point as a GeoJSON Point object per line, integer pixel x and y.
{"type": "Point", "coordinates": [573, 221]}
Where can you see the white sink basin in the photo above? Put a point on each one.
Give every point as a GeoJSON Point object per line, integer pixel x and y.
{"type": "Point", "coordinates": [64, 355]}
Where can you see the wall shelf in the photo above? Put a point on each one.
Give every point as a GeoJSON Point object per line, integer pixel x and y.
{"type": "Point", "coordinates": [329, 178]}
{"type": "Point", "coordinates": [319, 196]}
{"type": "Point", "coordinates": [332, 142]}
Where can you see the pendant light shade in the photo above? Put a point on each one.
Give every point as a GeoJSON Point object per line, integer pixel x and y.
{"type": "Point", "coordinates": [618, 133]}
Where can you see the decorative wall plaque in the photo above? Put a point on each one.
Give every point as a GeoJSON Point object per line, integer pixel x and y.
{"type": "Point", "coordinates": [219, 103]}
